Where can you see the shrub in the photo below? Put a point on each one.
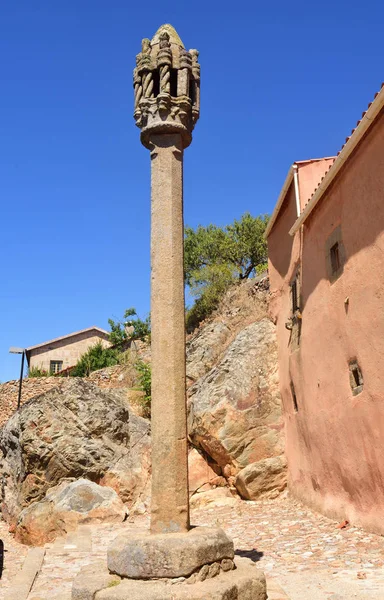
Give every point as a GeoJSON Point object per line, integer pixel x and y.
{"type": "Point", "coordinates": [144, 371]}
{"type": "Point", "coordinates": [96, 357]}
{"type": "Point", "coordinates": [208, 287]}
{"type": "Point", "coordinates": [38, 372]}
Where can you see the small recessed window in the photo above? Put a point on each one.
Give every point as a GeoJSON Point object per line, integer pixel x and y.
{"type": "Point", "coordinates": [335, 257]}
{"type": "Point", "coordinates": [294, 399]}
{"type": "Point", "coordinates": [355, 378]}
{"type": "Point", "coordinates": [55, 366]}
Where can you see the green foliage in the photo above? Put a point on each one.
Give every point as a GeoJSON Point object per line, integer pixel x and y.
{"type": "Point", "coordinates": [215, 257]}
{"type": "Point", "coordinates": [247, 247]}
{"type": "Point", "coordinates": [144, 372]}
{"type": "Point", "coordinates": [240, 245]}
{"type": "Point", "coordinates": [203, 247]}
{"type": "Point", "coordinates": [37, 372]}
{"type": "Point", "coordinates": [138, 329]}
{"type": "Point", "coordinates": [96, 357]}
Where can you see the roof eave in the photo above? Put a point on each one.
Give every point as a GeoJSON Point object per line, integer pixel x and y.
{"type": "Point", "coordinates": [367, 120]}
{"type": "Point", "coordinates": [64, 337]}
{"type": "Point", "coordinates": [280, 200]}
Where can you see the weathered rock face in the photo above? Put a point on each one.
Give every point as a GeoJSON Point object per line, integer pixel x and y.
{"type": "Point", "coordinates": [65, 507]}
{"type": "Point", "coordinates": [234, 410]}
{"type": "Point", "coordinates": [203, 349]}
{"type": "Point", "coordinates": [75, 430]}
{"type": "Point", "coordinates": [130, 475]}
{"type": "Point", "coordinates": [201, 475]}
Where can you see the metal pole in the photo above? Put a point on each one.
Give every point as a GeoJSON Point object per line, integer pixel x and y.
{"type": "Point", "coordinates": [21, 380]}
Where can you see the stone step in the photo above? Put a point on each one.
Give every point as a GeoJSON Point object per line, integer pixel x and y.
{"type": "Point", "coordinates": [23, 582]}
{"type": "Point", "coordinates": [275, 591]}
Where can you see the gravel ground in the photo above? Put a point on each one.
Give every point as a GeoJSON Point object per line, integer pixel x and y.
{"type": "Point", "coordinates": [304, 553]}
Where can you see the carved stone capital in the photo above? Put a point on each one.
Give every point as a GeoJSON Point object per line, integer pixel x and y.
{"type": "Point", "coordinates": [166, 84]}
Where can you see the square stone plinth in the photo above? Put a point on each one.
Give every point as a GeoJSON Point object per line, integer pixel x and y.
{"type": "Point", "coordinates": [169, 555]}
{"type": "Point", "coordinates": [246, 582]}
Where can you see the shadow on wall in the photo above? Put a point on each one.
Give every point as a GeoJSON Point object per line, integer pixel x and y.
{"type": "Point", "coordinates": [355, 202]}
{"type": "Point", "coordinates": [1, 558]}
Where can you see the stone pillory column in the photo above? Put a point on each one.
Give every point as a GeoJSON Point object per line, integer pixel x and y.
{"type": "Point", "coordinates": [199, 560]}
{"type": "Point", "coordinates": [166, 81]}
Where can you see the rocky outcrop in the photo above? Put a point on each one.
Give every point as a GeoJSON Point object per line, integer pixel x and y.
{"type": "Point", "coordinates": [130, 475]}
{"type": "Point", "coordinates": [65, 507]}
{"type": "Point", "coordinates": [75, 430]}
{"type": "Point", "coordinates": [201, 474]}
{"type": "Point", "coordinates": [234, 410]}
{"type": "Point", "coordinates": [203, 349]}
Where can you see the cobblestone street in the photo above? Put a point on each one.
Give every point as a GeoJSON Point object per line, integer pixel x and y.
{"type": "Point", "coordinates": [304, 555]}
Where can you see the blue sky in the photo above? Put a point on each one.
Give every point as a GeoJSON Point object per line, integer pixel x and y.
{"type": "Point", "coordinates": [280, 82]}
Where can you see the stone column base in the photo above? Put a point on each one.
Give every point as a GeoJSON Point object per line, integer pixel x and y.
{"type": "Point", "coordinates": [168, 555]}
{"type": "Point", "coordinates": [245, 582]}
{"type": "Point", "coordinates": [196, 565]}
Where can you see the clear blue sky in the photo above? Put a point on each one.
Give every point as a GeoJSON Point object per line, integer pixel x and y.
{"type": "Point", "coordinates": [281, 81]}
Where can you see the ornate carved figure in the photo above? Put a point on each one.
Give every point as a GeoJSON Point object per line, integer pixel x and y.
{"type": "Point", "coordinates": [164, 40]}
{"type": "Point", "coordinates": [145, 46]}
{"type": "Point", "coordinates": [138, 87]}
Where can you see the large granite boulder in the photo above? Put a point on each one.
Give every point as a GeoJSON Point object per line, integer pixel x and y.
{"type": "Point", "coordinates": [234, 410]}
{"type": "Point", "coordinates": [75, 430]}
{"type": "Point", "coordinates": [266, 477]}
{"type": "Point", "coordinates": [65, 507]}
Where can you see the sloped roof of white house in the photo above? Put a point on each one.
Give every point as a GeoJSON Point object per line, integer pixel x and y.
{"type": "Point", "coordinates": [69, 335]}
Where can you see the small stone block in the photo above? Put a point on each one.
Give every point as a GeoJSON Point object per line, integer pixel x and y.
{"type": "Point", "coordinates": [204, 572]}
{"type": "Point", "coordinates": [169, 555]}
{"type": "Point", "coordinates": [214, 570]}
{"type": "Point", "coordinates": [227, 564]}
{"type": "Point", "coordinates": [92, 579]}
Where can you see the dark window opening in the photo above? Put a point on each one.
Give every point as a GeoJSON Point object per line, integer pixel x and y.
{"type": "Point", "coordinates": [55, 366]}
{"type": "Point", "coordinates": [192, 91]}
{"type": "Point", "coordinates": [294, 296]}
{"type": "Point", "coordinates": [335, 257]}
{"type": "Point", "coordinates": [173, 82]}
{"type": "Point", "coordinates": [294, 399]}
{"type": "Point", "coordinates": [156, 83]}
{"type": "Point", "coordinates": [355, 378]}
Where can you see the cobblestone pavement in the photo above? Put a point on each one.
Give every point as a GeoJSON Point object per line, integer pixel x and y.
{"type": "Point", "coordinates": [13, 558]}
{"type": "Point", "coordinates": [302, 553]}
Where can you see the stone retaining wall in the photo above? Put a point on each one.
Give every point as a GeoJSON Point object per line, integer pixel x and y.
{"type": "Point", "coordinates": [32, 387]}
{"type": "Point", "coordinates": [116, 377]}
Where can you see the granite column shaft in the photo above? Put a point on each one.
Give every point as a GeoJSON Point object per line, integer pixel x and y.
{"type": "Point", "coordinates": [170, 496]}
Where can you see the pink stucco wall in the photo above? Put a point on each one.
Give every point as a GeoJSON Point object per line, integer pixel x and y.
{"type": "Point", "coordinates": [335, 442]}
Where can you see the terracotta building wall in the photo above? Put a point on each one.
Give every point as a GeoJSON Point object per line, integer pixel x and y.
{"type": "Point", "coordinates": [335, 441]}
{"type": "Point", "coordinates": [284, 257]}
{"type": "Point", "coordinates": [67, 350]}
